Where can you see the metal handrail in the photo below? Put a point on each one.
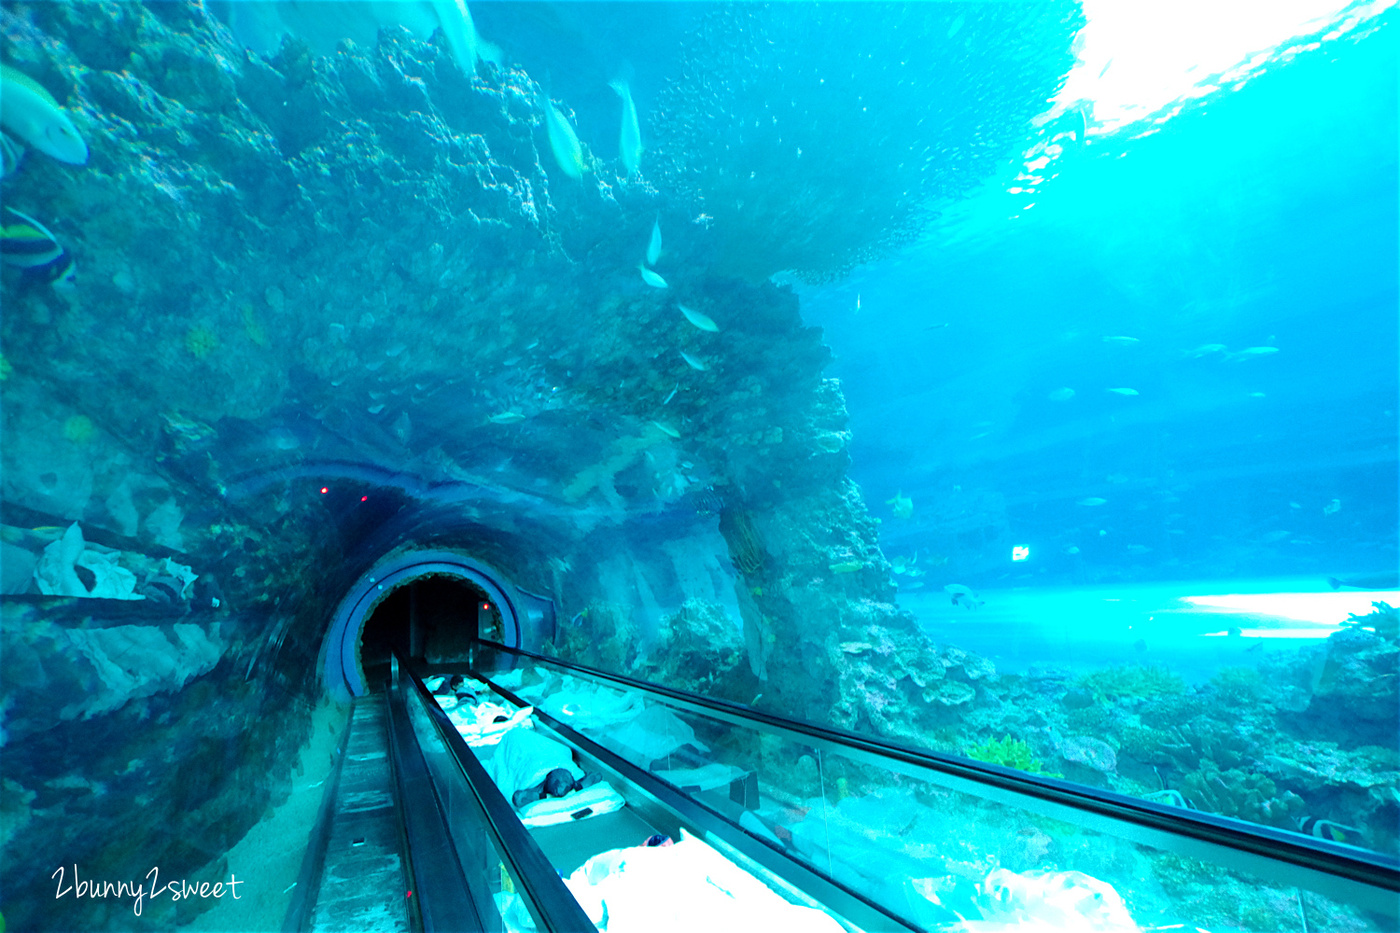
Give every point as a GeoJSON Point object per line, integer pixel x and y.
{"type": "Point", "coordinates": [535, 875]}
{"type": "Point", "coordinates": [1369, 879]}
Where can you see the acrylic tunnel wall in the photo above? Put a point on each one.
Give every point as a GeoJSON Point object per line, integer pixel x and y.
{"type": "Point", "coordinates": [301, 300]}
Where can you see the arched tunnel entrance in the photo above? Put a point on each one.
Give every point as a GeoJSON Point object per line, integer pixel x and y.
{"type": "Point", "coordinates": [433, 618]}
{"type": "Point", "coordinates": [427, 604]}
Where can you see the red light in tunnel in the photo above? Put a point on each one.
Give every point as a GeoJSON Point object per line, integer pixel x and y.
{"type": "Point", "coordinates": [325, 489]}
{"type": "Point", "coordinates": [364, 498]}
{"type": "Point", "coordinates": [486, 606]}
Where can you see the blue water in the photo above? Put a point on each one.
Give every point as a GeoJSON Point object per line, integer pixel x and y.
{"type": "Point", "coordinates": [1193, 627]}
{"type": "Point", "coordinates": [1264, 218]}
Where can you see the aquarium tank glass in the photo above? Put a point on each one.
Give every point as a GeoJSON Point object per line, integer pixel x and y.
{"type": "Point", "coordinates": [1015, 381]}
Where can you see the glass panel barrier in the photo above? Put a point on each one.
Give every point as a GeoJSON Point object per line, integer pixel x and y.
{"type": "Point", "coordinates": [941, 853]}
{"type": "Point", "coordinates": [492, 877]}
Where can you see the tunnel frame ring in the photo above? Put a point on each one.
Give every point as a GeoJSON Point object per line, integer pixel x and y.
{"type": "Point", "coordinates": [340, 668]}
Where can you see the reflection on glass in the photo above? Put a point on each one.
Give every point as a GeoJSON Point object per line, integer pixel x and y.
{"type": "Point", "coordinates": [940, 858]}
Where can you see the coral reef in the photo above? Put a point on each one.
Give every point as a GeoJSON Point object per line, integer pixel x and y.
{"type": "Point", "coordinates": [1249, 796]}
{"type": "Point", "coordinates": [699, 648]}
{"type": "Point", "coordinates": [1009, 753]}
{"type": "Point", "coordinates": [201, 341]}
{"type": "Point", "coordinates": [1137, 682]}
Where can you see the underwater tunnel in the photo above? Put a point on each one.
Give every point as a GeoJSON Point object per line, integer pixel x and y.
{"type": "Point", "coordinates": [613, 466]}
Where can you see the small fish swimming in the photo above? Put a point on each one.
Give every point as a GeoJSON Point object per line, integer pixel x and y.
{"type": "Point", "coordinates": [654, 245]}
{"type": "Point", "coordinates": [30, 113]}
{"type": "Point", "coordinates": [698, 319]}
{"type": "Point", "coordinates": [667, 430]}
{"type": "Point", "coordinates": [1333, 507]}
{"type": "Point", "coordinates": [651, 278]}
{"type": "Point", "coordinates": [1063, 394]}
{"type": "Point", "coordinates": [506, 417]}
{"type": "Point", "coordinates": [462, 38]}
{"type": "Point", "coordinates": [563, 141]}
{"type": "Point", "coordinates": [1072, 550]}
{"type": "Point", "coordinates": [692, 362]}
{"type": "Point", "coordinates": [845, 566]}
{"type": "Point", "coordinates": [1250, 353]}
{"type": "Point", "coordinates": [1205, 349]}
{"type": "Point", "coordinates": [903, 505]}
{"type": "Point", "coordinates": [29, 245]}
{"type": "Point", "coordinates": [1122, 341]}
{"type": "Point", "coordinates": [1092, 500]}
{"type": "Point", "coordinates": [963, 596]}
{"type": "Point", "coordinates": [672, 394]}
{"type": "Point", "coordinates": [1326, 829]}
{"type": "Point", "coordinates": [630, 142]}
{"type": "Point", "coordinates": [1124, 391]}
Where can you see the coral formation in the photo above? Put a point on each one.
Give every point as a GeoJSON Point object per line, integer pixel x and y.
{"type": "Point", "coordinates": [78, 429]}
{"type": "Point", "coordinates": [201, 341]}
{"type": "Point", "coordinates": [1131, 682]}
{"type": "Point", "coordinates": [1009, 753]}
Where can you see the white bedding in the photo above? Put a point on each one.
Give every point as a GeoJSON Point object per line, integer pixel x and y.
{"type": "Point", "coordinates": [594, 800]}
{"type": "Point", "coordinates": [476, 723]}
{"type": "Point", "coordinates": [681, 888]}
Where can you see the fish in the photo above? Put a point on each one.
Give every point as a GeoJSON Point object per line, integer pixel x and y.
{"type": "Point", "coordinates": [1326, 829]}
{"type": "Point", "coordinates": [667, 430]}
{"type": "Point", "coordinates": [462, 38]}
{"type": "Point", "coordinates": [506, 417]}
{"type": "Point", "coordinates": [1382, 580]}
{"type": "Point", "coordinates": [1063, 394]}
{"type": "Point", "coordinates": [692, 362]}
{"type": "Point", "coordinates": [30, 113]}
{"type": "Point", "coordinates": [654, 245]}
{"type": "Point", "coordinates": [1122, 341]}
{"type": "Point", "coordinates": [1250, 353]}
{"type": "Point", "coordinates": [1092, 500]}
{"type": "Point", "coordinates": [651, 278]}
{"type": "Point", "coordinates": [903, 505]}
{"type": "Point", "coordinates": [11, 153]}
{"type": "Point", "coordinates": [1124, 391]}
{"type": "Point", "coordinates": [563, 142]}
{"type": "Point", "coordinates": [963, 596]}
{"type": "Point", "coordinates": [672, 394]}
{"type": "Point", "coordinates": [845, 566]}
{"type": "Point", "coordinates": [630, 142]}
{"type": "Point", "coordinates": [1072, 550]}
{"type": "Point", "coordinates": [29, 245]}
{"type": "Point", "coordinates": [1205, 349]}
{"type": "Point", "coordinates": [699, 320]}
{"type": "Point", "coordinates": [1333, 507]}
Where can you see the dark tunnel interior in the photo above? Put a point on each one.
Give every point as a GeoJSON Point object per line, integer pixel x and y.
{"type": "Point", "coordinates": [434, 618]}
